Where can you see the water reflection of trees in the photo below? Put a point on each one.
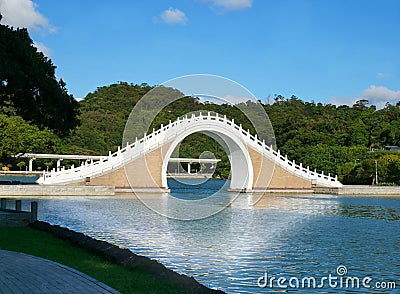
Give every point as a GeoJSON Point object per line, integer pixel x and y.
{"type": "Point", "coordinates": [367, 211]}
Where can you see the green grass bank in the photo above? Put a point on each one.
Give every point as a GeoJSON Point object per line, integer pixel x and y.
{"type": "Point", "coordinates": [121, 278]}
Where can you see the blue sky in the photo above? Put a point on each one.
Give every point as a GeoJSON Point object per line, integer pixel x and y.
{"type": "Point", "coordinates": [327, 51]}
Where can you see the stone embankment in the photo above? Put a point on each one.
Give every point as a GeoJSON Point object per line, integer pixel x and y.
{"type": "Point", "coordinates": [56, 190]}
{"type": "Point", "coordinates": [360, 190]}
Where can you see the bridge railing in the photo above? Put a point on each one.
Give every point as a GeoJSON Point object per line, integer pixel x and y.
{"type": "Point", "coordinates": [165, 133]}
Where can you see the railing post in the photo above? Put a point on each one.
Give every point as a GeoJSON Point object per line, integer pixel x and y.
{"type": "Point", "coordinates": [17, 205]}
{"type": "Point", "coordinates": [31, 164]}
{"type": "Point", "coordinates": [34, 211]}
{"type": "Point", "coordinates": [59, 164]}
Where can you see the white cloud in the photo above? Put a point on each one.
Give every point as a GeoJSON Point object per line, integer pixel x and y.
{"type": "Point", "coordinates": [382, 75]}
{"type": "Point", "coordinates": [376, 95]}
{"type": "Point", "coordinates": [23, 14]}
{"type": "Point", "coordinates": [343, 100]}
{"type": "Point", "coordinates": [42, 48]}
{"type": "Point", "coordinates": [174, 16]}
{"type": "Point", "coordinates": [230, 5]}
{"type": "Point", "coordinates": [379, 95]}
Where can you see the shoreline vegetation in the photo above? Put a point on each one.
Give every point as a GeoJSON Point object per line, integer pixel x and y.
{"type": "Point", "coordinates": [118, 268]}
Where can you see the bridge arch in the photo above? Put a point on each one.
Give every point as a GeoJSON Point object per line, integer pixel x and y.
{"type": "Point", "coordinates": [242, 174]}
{"type": "Point", "coordinates": [143, 164]}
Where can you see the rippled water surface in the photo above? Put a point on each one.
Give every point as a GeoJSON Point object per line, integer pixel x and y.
{"type": "Point", "coordinates": [289, 236]}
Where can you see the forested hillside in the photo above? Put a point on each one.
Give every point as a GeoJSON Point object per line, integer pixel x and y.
{"type": "Point", "coordinates": [340, 140]}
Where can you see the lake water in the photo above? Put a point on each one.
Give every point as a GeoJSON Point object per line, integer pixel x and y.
{"type": "Point", "coordinates": [293, 237]}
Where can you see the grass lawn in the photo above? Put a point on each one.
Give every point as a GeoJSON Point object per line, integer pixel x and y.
{"type": "Point", "coordinates": [45, 245]}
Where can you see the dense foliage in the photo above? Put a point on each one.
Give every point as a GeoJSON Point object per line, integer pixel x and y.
{"type": "Point", "coordinates": [17, 136]}
{"type": "Point", "coordinates": [339, 140]}
{"type": "Point", "coordinates": [28, 86]}
{"type": "Point", "coordinates": [103, 116]}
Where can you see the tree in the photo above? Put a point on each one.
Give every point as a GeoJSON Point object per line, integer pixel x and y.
{"type": "Point", "coordinates": [48, 164]}
{"type": "Point", "coordinates": [28, 86]}
{"type": "Point", "coordinates": [389, 168]}
{"type": "Point", "coordinates": [361, 103]}
{"type": "Point", "coordinates": [17, 136]}
{"type": "Point", "coordinates": [21, 164]}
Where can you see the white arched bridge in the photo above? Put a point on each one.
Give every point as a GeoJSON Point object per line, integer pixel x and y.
{"type": "Point", "coordinates": [143, 163]}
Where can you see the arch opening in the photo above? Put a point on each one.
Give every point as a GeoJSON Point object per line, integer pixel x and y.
{"type": "Point", "coordinates": [241, 173]}
{"type": "Point", "coordinates": [199, 155]}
